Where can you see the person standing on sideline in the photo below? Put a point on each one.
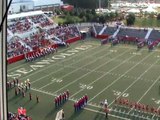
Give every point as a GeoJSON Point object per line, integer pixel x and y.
{"type": "Point", "coordinates": [106, 110]}
{"type": "Point", "coordinates": [105, 103]}
{"type": "Point", "coordinates": [37, 98]}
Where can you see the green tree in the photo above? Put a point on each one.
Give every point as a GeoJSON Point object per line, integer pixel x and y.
{"type": "Point", "coordinates": [158, 16]}
{"type": "Point", "coordinates": [130, 19]}
{"type": "Point", "coordinates": [91, 4]}
{"type": "Point", "coordinates": [102, 19]}
{"type": "Point", "coordinates": [151, 15]}
{"type": "Point", "coordinates": [69, 19]}
{"type": "Point", "coordinates": [84, 19]}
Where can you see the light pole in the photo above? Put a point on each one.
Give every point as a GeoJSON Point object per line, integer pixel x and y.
{"type": "Point", "coordinates": [99, 4]}
{"type": "Point", "coordinates": [3, 79]}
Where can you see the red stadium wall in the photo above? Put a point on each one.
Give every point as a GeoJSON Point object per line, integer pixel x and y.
{"type": "Point", "coordinates": [21, 57]}
{"type": "Point", "coordinates": [15, 59]}
{"type": "Point", "coordinates": [102, 36]}
{"type": "Point", "coordinates": [73, 39]}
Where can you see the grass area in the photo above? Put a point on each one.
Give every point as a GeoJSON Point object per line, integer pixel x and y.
{"type": "Point", "coordinates": [101, 72]}
{"type": "Point", "coordinates": [146, 22]}
{"type": "Point", "coordinates": [64, 19]}
{"type": "Point", "coordinates": [59, 20]}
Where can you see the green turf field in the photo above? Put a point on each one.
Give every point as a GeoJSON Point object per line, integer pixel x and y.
{"type": "Point", "coordinates": [101, 72]}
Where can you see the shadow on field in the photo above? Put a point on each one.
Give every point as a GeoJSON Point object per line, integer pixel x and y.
{"type": "Point", "coordinates": [26, 103]}
{"type": "Point", "coordinates": [32, 106]}
{"type": "Point", "coordinates": [99, 116]}
{"type": "Point", "coordinates": [13, 98]}
{"type": "Point", "coordinates": [75, 115]}
{"type": "Point", "coordinates": [53, 111]}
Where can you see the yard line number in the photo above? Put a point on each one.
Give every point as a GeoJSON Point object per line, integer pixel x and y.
{"type": "Point", "coordinates": [56, 80]}
{"type": "Point", "coordinates": [118, 93]}
{"type": "Point", "coordinates": [84, 86]}
{"type": "Point", "coordinates": [157, 101]}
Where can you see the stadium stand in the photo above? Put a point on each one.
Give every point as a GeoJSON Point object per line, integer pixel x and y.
{"type": "Point", "coordinates": [110, 30]}
{"type": "Point", "coordinates": [16, 47]}
{"type": "Point", "coordinates": [140, 36]}
{"type": "Point", "coordinates": [32, 31]}
{"type": "Point", "coordinates": [15, 116]}
{"type": "Point", "coordinates": [98, 28]}
{"type": "Point", "coordinates": [137, 33]}
{"type": "Point", "coordinates": [155, 35]}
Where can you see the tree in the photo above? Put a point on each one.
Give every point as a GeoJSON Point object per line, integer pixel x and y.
{"type": "Point", "coordinates": [91, 4]}
{"type": "Point", "coordinates": [84, 19]}
{"type": "Point", "coordinates": [151, 15]}
{"type": "Point", "coordinates": [102, 19]}
{"type": "Point", "coordinates": [130, 19]}
{"type": "Point", "coordinates": [158, 16]}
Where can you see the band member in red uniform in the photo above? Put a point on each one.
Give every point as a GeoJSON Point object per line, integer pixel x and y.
{"type": "Point", "coordinates": [67, 93]}
{"type": "Point", "coordinates": [86, 99]}
{"type": "Point", "coordinates": [60, 99]}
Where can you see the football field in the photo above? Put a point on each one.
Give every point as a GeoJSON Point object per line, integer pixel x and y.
{"type": "Point", "coordinates": [101, 72]}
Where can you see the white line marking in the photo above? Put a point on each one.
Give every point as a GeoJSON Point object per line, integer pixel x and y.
{"type": "Point", "coordinates": [121, 76]}
{"type": "Point", "coordinates": [69, 58]}
{"type": "Point", "coordinates": [63, 68]}
{"type": "Point", "coordinates": [70, 72]}
{"type": "Point", "coordinates": [108, 114]}
{"type": "Point", "coordinates": [90, 72]}
{"type": "Point", "coordinates": [105, 74]}
{"type": "Point", "coordinates": [135, 82]}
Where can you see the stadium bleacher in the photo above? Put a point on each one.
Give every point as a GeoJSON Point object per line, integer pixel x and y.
{"type": "Point", "coordinates": [110, 30]}
{"type": "Point", "coordinates": [33, 30]}
{"type": "Point", "coordinates": [155, 35]}
{"type": "Point", "coordinates": [98, 28]}
{"type": "Point", "coordinates": [138, 33]}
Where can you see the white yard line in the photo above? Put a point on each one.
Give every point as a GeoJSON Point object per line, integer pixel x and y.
{"type": "Point", "coordinates": [118, 117]}
{"type": "Point", "coordinates": [72, 64]}
{"type": "Point", "coordinates": [53, 81]}
{"type": "Point", "coordinates": [121, 76]}
{"type": "Point", "coordinates": [106, 73]}
{"type": "Point", "coordinates": [111, 73]}
{"type": "Point", "coordinates": [134, 62]}
{"type": "Point", "coordinates": [135, 81]}
{"type": "Point", "coordinates": [90, 72]}
{"type": "Point", "coordinates": [82, 67]}
{"type": "Point", "coordinates": [147, 92]}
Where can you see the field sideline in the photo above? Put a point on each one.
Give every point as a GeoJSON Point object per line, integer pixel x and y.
{"type": "Point", "coordinates": [101, 72]}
